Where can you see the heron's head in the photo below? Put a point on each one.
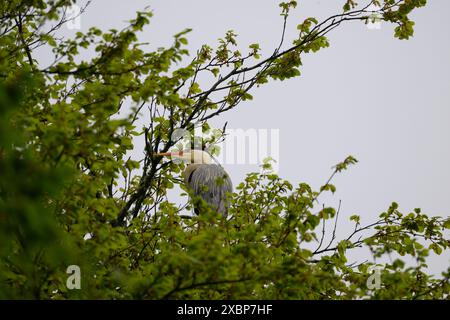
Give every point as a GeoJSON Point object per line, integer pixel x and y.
{"type": "Point", "coordinates": [190, 156]}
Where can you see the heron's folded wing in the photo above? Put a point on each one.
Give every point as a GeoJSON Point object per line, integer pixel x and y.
{"type": "Point", "coordinates": [212, 183]}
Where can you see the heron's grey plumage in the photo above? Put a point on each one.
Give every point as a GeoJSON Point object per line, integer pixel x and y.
{"type": "Point", "coordinates": [211, 183]}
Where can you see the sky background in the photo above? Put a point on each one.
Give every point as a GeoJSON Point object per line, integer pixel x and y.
{"type": "Point", "coordinates": [382, 100]}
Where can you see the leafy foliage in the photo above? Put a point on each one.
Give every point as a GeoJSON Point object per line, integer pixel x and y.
{"type": "Point", "coordinates": [64, 173]}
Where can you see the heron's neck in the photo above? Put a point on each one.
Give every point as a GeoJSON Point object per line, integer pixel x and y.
{"type": "Point", "coordinates": [201, 157]}
{"type": "Point", "coordinates": [207, 160]}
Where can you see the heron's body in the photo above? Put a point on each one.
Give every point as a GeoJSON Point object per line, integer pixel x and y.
{"type": "Point", "coordinates": [206, 180]}
{"type": "Point", "coordinates": [211, 183]}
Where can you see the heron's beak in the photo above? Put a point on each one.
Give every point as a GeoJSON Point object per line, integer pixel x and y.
{"type": "Point", "coordinates": [164, 154]}
{"type": "Point", "coordinates": [169, 154]}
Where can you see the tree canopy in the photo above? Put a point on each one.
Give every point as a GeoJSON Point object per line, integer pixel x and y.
{"type": "Point", "coordinates": [65, 172]}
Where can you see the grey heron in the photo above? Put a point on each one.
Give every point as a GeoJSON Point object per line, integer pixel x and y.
{"type": "Point", "coordinates": [205, 178]}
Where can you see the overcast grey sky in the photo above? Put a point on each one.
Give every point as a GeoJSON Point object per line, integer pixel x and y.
{"type": "Point", "coordinates": [385, 101]}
